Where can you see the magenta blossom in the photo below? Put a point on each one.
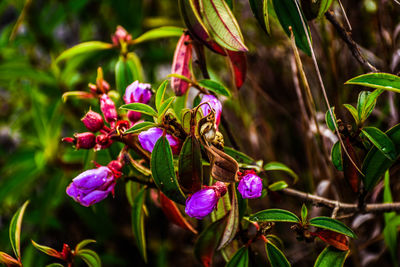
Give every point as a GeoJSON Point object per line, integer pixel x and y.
{"type": "Point", "coordinates": [149, 138]}
{"type": "Point", "coordinates": [203, 202]}
{"type": "Point", "coordinates": [107, 106]}
{"type": "Point", "coordinates": [92, 186]}
{"type": "Point", "coordinates": [137, 92]}
{"type": "Point", "coordinates": [250, 186]}
{"type": "Point", "coordinates": [215, 104]}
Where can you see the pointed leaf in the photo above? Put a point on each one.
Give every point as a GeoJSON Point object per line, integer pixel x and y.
{"type": "Point", "coordinates": [304, 213]}
{"type": "Point", "coordinates": [138, 127]}
{"type": "Point", "coordinates": [47, 250]}
{"type": "Point", "coordinates": [83, 244]}
{"type": "Point", "coordinates": [274, 215]}
{"type": "Point", "coordinates": [55, 265]}
{"type": "Point", "coordinates": [334, 239]}
{"type": "Point", "coordinates": [260, 11]}
{"type": "Point", "coordinates": [138, 222]}
{"type": "Point", "coordinates": [162, 32]}
{"type": "Point", "coordinates": [139, 107]}
{"type": "Point", "coordinates": [15, 230]}
{"type": "Point", "coordinates": [381, 141]}
{"type": "Point", "coordinates": [232, 224]}
{"type": "Point", "coordinates": [353, 111]}
{"type": "Point", "coordinates": [162, 168]}
{"type": "Point", "coordinates": [222, 25]}
{"type": "Point", "coordinates": [89, 257]}
{"type": "Point", "coordinates": [123, 75]}
{"type": "Point", "coordinates": [275, 256]}
{"type": "Point", "coordinates": [278, 166]}
{"type": "Point", "coordinates": [240, 259]}
{"type": "Point", "coordinates": [215, 87]}
{"type": "Point", "coordinates": [365, 107]}
{"type": "Point", "coordinates": [160, 94]}
{"type": "Point", "coordinates": [174, 215]}
{"type": "Point", "coordinates": [289, 15]}
{"type": "Point", "coordinates": [331, 257]}
{"type": "Point", "coordinates": [383, 81]}
{"type": "Point", "coordinates": [83, 48]}
{"type": "Point", "coordinates": [181, 64]}
{"type": "Point", "coordinates": [330, 122]}
{"type": "Point", "coordinates": [8, 260]}
{"type": "Point", "coordinates": [336, 156]}
{"type": "Point", "coordinates": [190, 166]}
{"type": "Point", "coordinates": [238, 63]}
{"type": "Point", "coordinates": [333, 225]}
{"type": "Point", "coordinates": [278, 186]}
{"type": "Point", "coordinates": [164, 107]}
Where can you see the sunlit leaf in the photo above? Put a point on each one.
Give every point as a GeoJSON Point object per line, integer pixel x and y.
{"type": "Point", "coordinates": [47, 250]}
{"type": "Point", "coordinates": [383, 81]}
{"type": "Point", "coordinates": [353, 111]}
{"type": "Point", "coordinates": [162, 32]}
{"type": "Point", "coordinates": [366, 103]}
{"type": "Point", "coordinates": [83, 48]}
{"type": "Point", "coordinates": [381, 141]}
{"type": "Point", "coordinates": [164, 106]}
{"type": "Point", "coordinates": [15, 230]}
{"type": "Point", "coordinates": [160, 94]}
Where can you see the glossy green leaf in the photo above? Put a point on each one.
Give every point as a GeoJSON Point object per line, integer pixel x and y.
{"type": "Point", "coordinates": [376, 163]}
{"type": "Point", "coordinates": [274, 215]}
{"type": "Point", "coordinates": [353, 111]}
{"type": "Point", "coordinates": [139, 127]}
{"type": "Point", "coordinates": [221, 24]}
{"type": "Point", "coordinates": [215, 87]}
{"type": "Point", "coordinates": [366, 103]}
{"type": "Point", "coordinates": [324, 6]}
{"type": "Point", "coordinates": [123, 75]}
{"type": "Point", "coordinates": [83, 244]}
{"type": "Point", "coordinates": [139, 107]}
{"type": "Point", "coordinates": [240, 259]}
{"type": "Point", "coordinates": [165, 105]}
{"type": "Point", "coordinates": [55, 265]}
{"type": "Point", "coordinates": [331, 257]}
{"type": "Point", "coordinates": [278, 186]}
{"type": "Point", "coordinates": [330, 122]}
{"type": "Point", "coordinates": [336, 156]}
{"type": "Point", "coordinates": [260, 11]}
{"type": "Point", "coordinates": [381, 80]}
{"type": "Point", "coordinates": [89, 257]}
{"type": "Point", "coordinates": [47, 250]}
{"type": "Point", "coordinates": [190, 165]}
{"type": "Point", "coordinates": [160, 94]}
{"type": "Point", "coordinates": [381, 141]}
{"type": "Point", "coordinates": [289, 15]}
{"type": "Point", "coordinates": [232, 224]}
{"type": "Point", "coordinates": [83, 48]}
{"type": "Point", "coordinates": [238, 156]}
{"type": "Point", "coordinates": [162, 32]}
{"type": "Point", "coordinates": [176, 75]}
{"type": "Point", "coordinates": [275, 256]}
{"type": "Point", "coordinates": [278, 166]}
{"type": "Point", "coordinates": [333, 225]}
{"type": "Point", "coordinates": [138, 222]}
{"type": "Point", "coordinates": [15, 230]}
{"type": "Point", "coordinates": [304, 213]}
{"type": "Point", "coordinates": [162, 168]}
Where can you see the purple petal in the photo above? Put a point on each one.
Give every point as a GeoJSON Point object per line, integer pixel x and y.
{"type": "Point", "coordinates": [201, 203]}
{"type": "Point", "coordinates": [215, 104]}
{"type": "Point", "coordinates": [250, 186]}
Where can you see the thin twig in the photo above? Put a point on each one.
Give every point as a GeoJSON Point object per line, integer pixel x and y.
{"type": "Point", "coordinates": [345, 15]}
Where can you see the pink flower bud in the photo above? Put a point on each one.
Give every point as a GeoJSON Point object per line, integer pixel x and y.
{"type": "Point", "coordinates": [137, 92]}
{"type": "Point", "coordinates": [215, 104]}
{"type": "Point", "coordinates": [103, 141]}
{"type": "Point", "coordinates": [85, 140]}
{"type": "Point", "coordinates": [180, 65]}
{"type": "Point", "coordinates": [107, 106]}
{"type": "Point", "coordinates": [93, 121]}
{"type": "Point", "coordinates": [149, 138]}
{"type": "Point", "coordinates": [120, 35]}
{"type": "Point", "coordinates": [250, 186]}
{"type": "Point", "coordinates": [134, 116]}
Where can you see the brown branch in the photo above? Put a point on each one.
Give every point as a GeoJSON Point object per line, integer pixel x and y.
{"type": "Point", "coordinates": [137, 180]}
{"type": "Point", "coordinates": [351, 44]}
{"type": "Point", "coordinates": [347, 207]}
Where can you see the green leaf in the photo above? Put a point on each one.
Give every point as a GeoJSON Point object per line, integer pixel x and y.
{"type": "Point", "coordinates": [138, 222]}
{"type": "Point", "coordinates": [89, 257]}
{"type": "Point", "coordinates": [15, 230]}
{"type": "Point", "coordinates": [47, 250]}
{"type": "Point", "coordinates": [222, 25]}
{"type": "Point", "coordinates": [274, 215]}
{"type": "Point", "coordinates": [289, 15]}
{"type": "Point", "coordinates": [139, 127]}
{"type": "Point", "coordinates": [240, 259]}
{"type": "Point", "coordinates": [278, 186]}
{"type": "Point", "coordinates": [331, 257]}
{"type": "Point", "coordinates": [324, 6]}
{"type": "Point", "coordinates": [179, 76]}
{"type": "Point", "coordinates": [381, 80]}
{"type": "Point", "coordinates": [366, 103]}
{"type": "Point", "coordinates": [376, 163]}
{"type": "Point", "coordinates": [162, 32]}
{"type": "Point", "coordinates": [190, 165]}
{"type": "Point", "coordinates": [83, 244]}
{"type": "Point", "coordinates": [333, 225]}
{"type": "Point", "coordinates": [330, 122]}
{"type": "Point", "coordinates": [336, 156]}
{"type": "Point", "coordinates": [381, 141]}
{"type": "Point", "coordinates": [135, 66]}
{"type": "Point", "coordinates": [142, 108]}
{"type": "Point", "coordinates": [304, 213]}
{"type": "Point", "coordinates": [123, 75]}
{"type": "Point", "coordinates": [260, 11]}
{"type": "Point", "coordinates": [275, 256]}
{"type": "Point", "coordinates": [160, 94]}
{"type": "Point", "coordinates": [278, 166]}
{"type": "Point", "coordinates": [215, 87]}
{"type": "Point", "coordinates": [353, 111]}
{"type": "Point", "coordinates": [83, 48]}
{"type": "Point", "coordinates": [55, 265]}
{"type": "Point", "coordinates": [164, 106]}
{"type": "Point", "coordinates": [162, 168]}
{"type": "Point", "coordinates": [238, 156]}
{"type": "Point", "coordinates": [232, 224]}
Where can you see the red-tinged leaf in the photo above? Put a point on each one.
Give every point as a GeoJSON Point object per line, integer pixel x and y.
{"type": "Point", "coordinates": [191, 15]}
{"type": "Point", "coordinates": [47, 250]}
{"type": "Point", "coordinates": [8, 260]}
{"type": "Point", "coordinates": [232, 224]}
{"type": "Point", "coordinates": [350, 172]}
{"type": "Point", "coordinates": [208, 241]}
{"type": "Point", "coordinates": [190, 166]}
{"type": "Point", "coordinates": [334, 239]}
{"type": "Point", "coordinates": [180, 65]}
{"type": "Point", "coordinates": [173, 214]}
{"type": "Point", "coordinates": [238, 64]}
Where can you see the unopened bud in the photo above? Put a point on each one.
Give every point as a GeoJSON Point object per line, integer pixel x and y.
{"type": "Point", "coordinates": [134, 116]}
{"type": "Point", "coordinates": [120, 35]}
{"type": "Point", "coordinates": [85, 140]}
{"type": "Point", "coordinates": [93, 121]}
{"type": "Point", "coordinates": [107, 106]}
{"type": "Point", "coordinates": [103, 141]}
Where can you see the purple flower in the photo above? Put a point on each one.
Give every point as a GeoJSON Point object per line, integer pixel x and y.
{"type": "Point", "coordinates": [250, 186]}
{"type": "Point", "coordinates": [92, 186]}
{"type": "Point", "coordinates": [107, 106]}
{"type": "Point", "coordinates": [215, 104]}
{"type": "Point", "coordinates": [149, 138]}
{"type": "Point", "coordinates": [203, 202]}
{"type": "Point", "coordinates": [137, 92]}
